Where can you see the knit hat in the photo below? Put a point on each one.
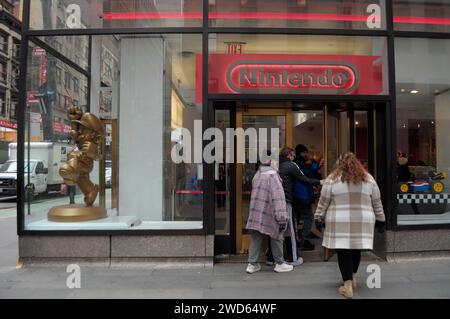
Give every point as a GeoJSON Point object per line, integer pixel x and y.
{"type": "Point", "coordinates": [300, 148]}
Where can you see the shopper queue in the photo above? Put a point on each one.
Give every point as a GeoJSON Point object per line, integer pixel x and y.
{"type": "Point", "coordinates": [348, 211]}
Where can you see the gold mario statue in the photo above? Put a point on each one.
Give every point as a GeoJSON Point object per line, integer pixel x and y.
{"type": "Point", "coordinates": [87, 132]}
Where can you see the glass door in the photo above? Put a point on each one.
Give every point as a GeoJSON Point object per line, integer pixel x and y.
{"type": "Point", "coordinates": [260, 118]}
{"type": "Point", "coordinates": [337, 134]}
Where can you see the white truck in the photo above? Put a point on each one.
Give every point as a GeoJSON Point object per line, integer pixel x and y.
{"type": "Point", "coordinates": [44, 162]}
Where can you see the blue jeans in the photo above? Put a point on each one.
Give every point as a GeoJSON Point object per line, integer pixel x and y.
{"type": "Point", "coordinates": [304, 211]}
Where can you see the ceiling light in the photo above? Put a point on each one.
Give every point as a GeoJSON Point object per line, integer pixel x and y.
{"type": "Point", "coordinates": [414, 91]}
{"type": "Point", "coordinates": [402, 90]}
{"type": "Point", "coordinates": [356, 123]}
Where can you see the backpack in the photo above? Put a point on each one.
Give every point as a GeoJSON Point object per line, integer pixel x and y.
{"type": "Point", "coordinates": [303, 193]}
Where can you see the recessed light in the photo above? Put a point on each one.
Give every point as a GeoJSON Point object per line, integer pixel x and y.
{"type": "Point", "coordinates": [414, 91]}
{"type": "Point", "coordinates": [402, 90]}
{"type": "Point", "coordinates": [436, 91]}
{"type": "Point", "coordinates": [356, 123]}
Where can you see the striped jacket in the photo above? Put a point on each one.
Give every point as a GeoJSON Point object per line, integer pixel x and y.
{"type": "Point", "coordinates": [349, 211]}
{"type": "Point", "coordinates": [267, 204]}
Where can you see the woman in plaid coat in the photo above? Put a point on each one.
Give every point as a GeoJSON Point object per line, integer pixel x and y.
{"type": "Point", "coordinates": [350, 208]}
{"type": "Point", "coordinates": [267, 217]}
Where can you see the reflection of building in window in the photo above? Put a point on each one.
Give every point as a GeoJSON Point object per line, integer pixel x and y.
{"type": "Point", "coordinates": [67, 81]}
{"type": "Point", "coordinates": [76, 85]}
{"type": "Point", "coordinates": [2, 103]}
{"type": "Point", "coordinates": [4, 43]}
{"type": "Point", "coordinates": [3, 71]}
{"type": "Point", "coordinates": [9, 70]}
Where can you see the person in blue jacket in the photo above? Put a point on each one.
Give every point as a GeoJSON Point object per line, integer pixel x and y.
{"type": "Point", "coordinates": [304, 195]}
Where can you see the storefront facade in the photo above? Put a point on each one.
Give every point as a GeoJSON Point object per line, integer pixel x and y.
{"type": "Point", "coordinates": [372, 77]}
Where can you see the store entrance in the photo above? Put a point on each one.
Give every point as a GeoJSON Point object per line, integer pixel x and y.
{"type": "Point", "coordinates": [325, 129]}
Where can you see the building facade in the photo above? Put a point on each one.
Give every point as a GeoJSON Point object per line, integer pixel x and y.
{"type": "Point", "coordinates": [372, 77]}
{"type": "Point", "coordinates": [10, 29]}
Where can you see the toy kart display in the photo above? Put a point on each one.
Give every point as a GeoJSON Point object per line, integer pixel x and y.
{"type": "Point", "coordinates": [429, 184]}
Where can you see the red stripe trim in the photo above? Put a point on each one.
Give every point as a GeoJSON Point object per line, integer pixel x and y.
{"type": "Point", "coordinates": [268, 16]}
{"type": "Point", "coordinates": [422, 20]}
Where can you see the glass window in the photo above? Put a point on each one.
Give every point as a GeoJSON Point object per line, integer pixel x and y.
{"type": "Point", "coordinates": [47, 138]}
{"type": "Point", "coordinates": [429, 16]}
{"type": "Point", "coordinates": [142, 89]}
{"type": "Point", "coordinates": [423, 128]}
{"type": "Point", "coordinates": [16, 49]}
{"type": "Point", "coordinates": [2, 103]}
{"type": "Point", "coordinates": [296, 64]}
{"type": "Point", "coordinates": [82, 14]}
{"type": "Point", "coordinates": [3, 71]}
{"type": "Point", "coordinates": [4, 42]}
{"type": "Point", "coordinates": [355, 14]}
{"type": "Point", "coordinates": [74, 48]}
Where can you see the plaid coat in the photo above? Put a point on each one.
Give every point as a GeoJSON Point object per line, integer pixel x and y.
{"type": "Point", "coordinates": [267, 204]}
{"type": "Point", "coordinates": [349, 211]}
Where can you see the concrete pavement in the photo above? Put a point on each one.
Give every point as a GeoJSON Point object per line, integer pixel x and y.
{"type": "Point", "coordinates": [8, 242]}
{"type": "Point", "coordinates": [227, 281]}
{"type": "Point", "coordinates": [407, 279]}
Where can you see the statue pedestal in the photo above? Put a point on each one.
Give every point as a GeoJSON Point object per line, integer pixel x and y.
{"type": "Point", "coordinates": [76, 213]}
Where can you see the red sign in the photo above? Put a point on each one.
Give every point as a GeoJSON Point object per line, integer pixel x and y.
{"type": "Point", "coordinates": [291, 74]}
{"type": "Point", "coordinates": [61, 128]}
{"type": "Point", "coordinates": [43, 75]}
{"type": "Point", "coordinates": [31, 97]}
{"type": "Point", "coordinates": [8, 124]}
{"type": "Point", "coordinates": [38, 51]}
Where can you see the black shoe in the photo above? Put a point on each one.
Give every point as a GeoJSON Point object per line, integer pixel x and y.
{"type": "Point", "coordinates": [307, 245]}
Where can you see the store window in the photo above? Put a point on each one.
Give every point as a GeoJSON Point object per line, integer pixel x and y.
{"type": "Point", "coordinates": [82, 14]}
{"type": "Point", "coordinates": [423, 130]}
{"type": "Point", "coordinates": [142, 89]}
{"type": "Point", "coordinates": [47, 138]}
{"type": "Point", "coordinates": [429, 16]}
{"type": "Point", "coordinates": [296, 64]}
{"type": "Point", "coordinates": [349, 15]}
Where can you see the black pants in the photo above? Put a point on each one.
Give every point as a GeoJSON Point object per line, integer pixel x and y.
{"type": "Point", "coordinates": [348, 260]}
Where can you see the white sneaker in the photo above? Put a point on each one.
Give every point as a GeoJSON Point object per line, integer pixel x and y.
{"type": "Point", "coordinates": [283, 267]}
{"type": "Point", "coordinates": [252, 269]}
{"type": "Point", "coordinates": [298, 262]}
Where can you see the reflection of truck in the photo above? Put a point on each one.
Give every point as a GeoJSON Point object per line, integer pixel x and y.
{"type": "Point", "coordinates": [43, 166]}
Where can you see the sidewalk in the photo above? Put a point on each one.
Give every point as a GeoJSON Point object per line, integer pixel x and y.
{"type": "Point", "coordinates": [227, 281]}
{"type": "Point", "coordinates": [413, 279]}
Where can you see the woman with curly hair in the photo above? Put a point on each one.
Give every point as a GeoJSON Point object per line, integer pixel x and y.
{"type": "Point", "coordinates": [349, 208]}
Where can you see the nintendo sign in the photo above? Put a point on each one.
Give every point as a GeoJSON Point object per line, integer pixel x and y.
{"type": "Point", "coordinates": [291, 74]}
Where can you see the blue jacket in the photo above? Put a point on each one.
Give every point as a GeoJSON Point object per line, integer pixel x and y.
{"type": "Point", "coordinates": [303, 192]}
